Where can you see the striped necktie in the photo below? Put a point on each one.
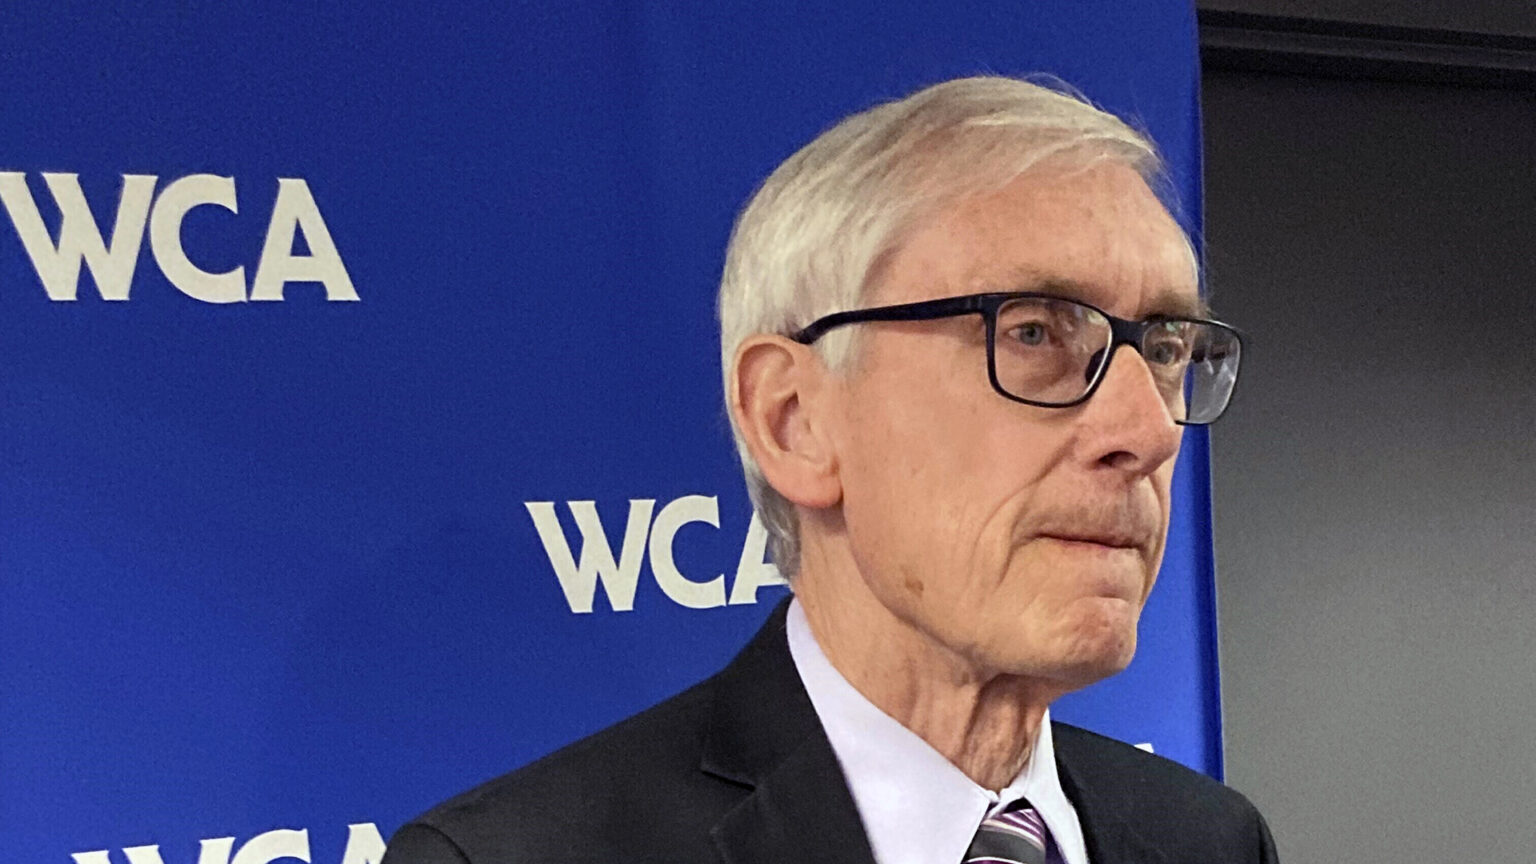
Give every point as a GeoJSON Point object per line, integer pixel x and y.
{"type": "Point", "coordinates": [1017, 835]}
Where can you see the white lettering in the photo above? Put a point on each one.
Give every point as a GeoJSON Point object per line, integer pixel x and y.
{"type": "Point", "coordinates": [295, 209]}
{"type": "Point", "coordinates": [365, 845]}
{"type": "Point", "coordinates": [685, 591]}
{"type": "Point", "coordinates": [213, 851]}
{"type": "Point", "coordinates": [165, 238]}
{"type": "Point", "coordinates": [58, 266]}
{"type": "Point", "coordinates": [579, 581]}
{"type": "Point", "coordinates": [272, 845]}
{"type": "Point", "coordinates": [753, 570]}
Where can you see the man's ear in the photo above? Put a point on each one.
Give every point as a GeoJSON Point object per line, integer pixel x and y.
{"type": "Point", "coordinates": [778, 388]}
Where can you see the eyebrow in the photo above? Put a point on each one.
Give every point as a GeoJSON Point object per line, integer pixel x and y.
{"type": "Point", "coordinates": [1166, 303]}
{"type": "Point", "coordinates": [1175, 304]}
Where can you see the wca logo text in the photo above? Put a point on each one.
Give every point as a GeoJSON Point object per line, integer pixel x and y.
{"type": "Point", "coordinates": [365, 845]}
{"type": "Point", "coordinates": [112, 261]}
{"type": "Point", "coordinates": [620, 576]}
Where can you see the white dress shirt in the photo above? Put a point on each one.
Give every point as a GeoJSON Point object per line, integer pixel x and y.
{"type": "Point", "coordinates": [917, 807]}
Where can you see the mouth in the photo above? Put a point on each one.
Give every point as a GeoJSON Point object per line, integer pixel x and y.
{"type": "Point", "coordinates": [1097, 541]}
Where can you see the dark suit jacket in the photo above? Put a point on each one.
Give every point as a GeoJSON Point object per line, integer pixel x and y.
{"type": "Point", "coordinates": [738, 770]}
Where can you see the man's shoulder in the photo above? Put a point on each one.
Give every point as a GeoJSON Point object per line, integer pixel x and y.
{"type": "Point", "coordinates": [1170, 806]}
{"type": "Point", "coordinates": [1090, 751]}
{"type": "Point", "coordinates": [649, 788]}
{"type": "Point", "coordinates": [636, 781]}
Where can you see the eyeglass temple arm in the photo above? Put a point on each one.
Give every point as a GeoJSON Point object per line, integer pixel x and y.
{"type": "Point", "coordinates": [923, 310]}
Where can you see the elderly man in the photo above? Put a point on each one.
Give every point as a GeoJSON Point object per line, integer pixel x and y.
{"type": "Point", "coordinates": [961, 337]}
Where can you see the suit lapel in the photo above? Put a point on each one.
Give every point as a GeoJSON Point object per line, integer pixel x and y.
{"type": "Point", "coordinates": [764, 736]}
{"type": "Point", "coordinates": [801, 812]}
{"type": "Point", "coordinates": [1110, 839]}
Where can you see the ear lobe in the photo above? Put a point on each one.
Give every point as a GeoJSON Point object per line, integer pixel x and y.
{"type": "Point", "coordinates": [778, 391]}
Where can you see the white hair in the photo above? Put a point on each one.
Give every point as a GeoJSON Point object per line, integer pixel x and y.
{"type": "Point", "coordinates": [809, 240]}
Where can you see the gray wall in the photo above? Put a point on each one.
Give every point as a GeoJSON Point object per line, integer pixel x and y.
{"type": "Point", "coordinates": [1376, 478]}
{"type": "Point", "coordinates": [1508, 17]}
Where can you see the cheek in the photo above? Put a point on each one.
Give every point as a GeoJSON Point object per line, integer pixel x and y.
{"type": "Point", "coordinates": [1162, 484]}
{"type": "Point", "coordinates": [934, 533]}
{"type": "Point", "coordinates": [919, 448]}
{"type": "Point", "coordinates": [938, 474]}
{"type": "Point", "coordinates": [1162, 478]}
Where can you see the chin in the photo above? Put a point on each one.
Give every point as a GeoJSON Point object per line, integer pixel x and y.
{"type": "Point", "coordinates": [1098, 647]}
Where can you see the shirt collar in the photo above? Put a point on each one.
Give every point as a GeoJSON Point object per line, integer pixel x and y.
{"type": "Point", "coordinates": [917, 807]}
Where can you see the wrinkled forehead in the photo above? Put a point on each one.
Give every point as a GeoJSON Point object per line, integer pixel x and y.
{"type": "Point", "coordinates": [1092, 230]}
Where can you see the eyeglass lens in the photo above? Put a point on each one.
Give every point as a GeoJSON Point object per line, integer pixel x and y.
{"type": "Point", "coordinates": [1051, 351]}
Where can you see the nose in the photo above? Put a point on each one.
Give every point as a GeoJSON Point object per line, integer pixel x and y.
{"type": "Point", "coordinates": [1129, 425]}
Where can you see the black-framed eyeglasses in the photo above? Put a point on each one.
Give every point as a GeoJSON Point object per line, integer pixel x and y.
{"type": "Point", "coordinates": [1052, 351]}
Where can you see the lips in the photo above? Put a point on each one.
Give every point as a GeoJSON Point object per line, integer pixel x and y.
{"type": "Point", "coordinates": [1115, 540]}
{"type": "Point", "coordinates": [1134, 521]}
{"type": "Point", "coordinates": [1123, 527]}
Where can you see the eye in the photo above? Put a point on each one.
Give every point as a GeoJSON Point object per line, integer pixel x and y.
{"type": "Point", "coordinates": [1166, 346]}
{"type": "Point", "coordinates": [1164, 353]}
{"type": "Point", "coordinates": [1030, 333]}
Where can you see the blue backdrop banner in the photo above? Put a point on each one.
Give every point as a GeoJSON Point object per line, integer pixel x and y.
{"type": "Point", "coordinates": [359, 412]}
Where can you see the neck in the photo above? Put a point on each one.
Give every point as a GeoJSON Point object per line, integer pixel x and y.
{"type": "Point", "coordinates": [983, 721]}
